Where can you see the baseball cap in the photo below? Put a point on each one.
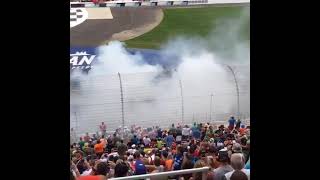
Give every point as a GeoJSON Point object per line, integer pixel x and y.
{"type": "Point", "coordinates": [223, 155]}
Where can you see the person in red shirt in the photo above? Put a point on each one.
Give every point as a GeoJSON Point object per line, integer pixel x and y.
{"type": "Point", "coordinates": [242, 130]}
{"type": "Point", "coordinates": [86, 137]}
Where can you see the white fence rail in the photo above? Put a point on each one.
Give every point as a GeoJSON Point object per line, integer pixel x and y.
{"type": "Point", "coordinates": [203, 170]}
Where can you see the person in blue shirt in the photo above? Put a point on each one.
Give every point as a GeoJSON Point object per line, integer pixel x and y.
{"type": "Point", "coordinates": [169, 140]}
{"type": "Point", "coordinates": [232, 122]}
{"type": "Point", "coordinates": [178, 159]}
{"type": "Point", "coordinates": [196, 133]}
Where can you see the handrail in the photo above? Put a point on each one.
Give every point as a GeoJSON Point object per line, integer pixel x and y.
{"type": "Point", "coordinates": [204, 170]}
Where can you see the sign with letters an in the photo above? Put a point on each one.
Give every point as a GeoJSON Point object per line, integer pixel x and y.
{"type": "Point", "coordinates": [82, 59]}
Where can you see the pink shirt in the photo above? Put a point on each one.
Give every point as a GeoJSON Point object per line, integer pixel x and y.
{"type": "Point", "coordinates": [103, 127]}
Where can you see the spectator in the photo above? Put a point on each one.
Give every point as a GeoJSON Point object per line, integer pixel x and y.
{"type": "Point", "coordinates": [237, 163]}
{"type": "Point", "coordinates": [247, 166]}
{"type": "Point", "coordinates": [139, 167]}
{"type": "Point", "coordinates": [169, 140]}
{"type": "Point", "coordinates": [173, 131]}
{"type": "Point", "coordinates": [168, 160]}
{"type": "Point", "coordinates": [178, 159]}
{"type": "Point", "coordinates": [238, 123]}
{"type": "Point", "coordinates": [81, 143]}
{"type": "Point", "coordinates": [187, 164]}
{"type": "Point", "coordinates": [103, 129]}
{"type": "Point", "coordinates": [185, 132]}
{"type": "Point", "coordinates": [87, 137]}
{"type": "Point", "coordinates": [88, 149]}
{"type": "Point", "coordinates": [238, 175]}
{"type": "Point", "coordinates": [121, 170]}
{"type": "Point", "coordinates": [224, 166]}
{"type": "Point", "coordinates": [98, 148]}
{"type": "Point", "coordinates": [115, 139]}
{"type": "Point", "coordinates": [99, 172]}
{"type": "Point", "coordinates": [198, 176]}
{"type": "Point", "coordinates": [84, 167]}
{"type": "Point", "coordinates": [159, 143]}
{"type": "Point", "coordinates": [242, 129]}
{"type": "Point", "coordinates": [135, 140]}
{"type": "Point", "coordinates": [158, 166]}
{"type": "Point", "coordinates": [196, 133]}
{"type": "Point", "coordinates": [232, 122]}
{"type": "Point", "coordinates": [94, 137]}
{"type": "Point", "coordinates": [146, 141]}
{"type": "Point", "coordinates": [122, 148]}
{"type": "Point", "coordinates": [131, 159]}
{"type": "Point", "coordinates": [236, 148]}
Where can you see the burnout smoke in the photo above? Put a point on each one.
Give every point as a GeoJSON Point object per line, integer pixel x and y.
{"type": "Point", "coordinates": [152, 91]}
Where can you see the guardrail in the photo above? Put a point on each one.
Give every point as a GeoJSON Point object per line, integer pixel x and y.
{"type": "Point", "coordinates": [203, 170]}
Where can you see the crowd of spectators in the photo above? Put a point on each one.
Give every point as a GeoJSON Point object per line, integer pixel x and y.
{"type": "Point", "coordinates": [225, 150]}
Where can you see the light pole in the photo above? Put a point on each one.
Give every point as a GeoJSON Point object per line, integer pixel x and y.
{"type": "Point", "coordinates": [237, 89]}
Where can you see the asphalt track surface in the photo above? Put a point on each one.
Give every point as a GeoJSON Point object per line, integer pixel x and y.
{"type": "Point", "coordinates": [93, 33]}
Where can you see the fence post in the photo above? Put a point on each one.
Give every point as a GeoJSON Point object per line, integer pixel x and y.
{"type": "Point", "coordinates": [182, 103]}
{"type": "Point", "coordinates": [237, 89]}
{"type": "Point", "coordinates": [122, 108]}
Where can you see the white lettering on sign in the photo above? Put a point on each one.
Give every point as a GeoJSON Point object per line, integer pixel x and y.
{"type": "Point", "coordinates": [81, 60]}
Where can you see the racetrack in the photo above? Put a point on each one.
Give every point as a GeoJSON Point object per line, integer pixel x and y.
{"type": "Point", "coordinates": [127, 23]}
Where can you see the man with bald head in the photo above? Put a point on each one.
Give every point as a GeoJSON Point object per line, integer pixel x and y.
{"type": "Point", "coordinates": [237, 163]}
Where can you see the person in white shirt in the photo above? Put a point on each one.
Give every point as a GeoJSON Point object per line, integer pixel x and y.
{"type": "Point", "coordinates": [103, 129]}
{"type": "Point", "coordinates": [185, 132]}
{"type": "Point", "coordinates": [146, 141]}
{"type": "Point", "coordinates": [237, 163]}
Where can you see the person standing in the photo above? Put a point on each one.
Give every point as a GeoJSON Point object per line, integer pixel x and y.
{"type": "Point", "coordinates": [103, 129]}
{"type": "Point", "coordinates": [185, 132]}
{"type": "Point", "coordinates": [232, 122]}
{"type": "Point", "coordinates": [224, 166]}
{"type": "Point", "coordinates": [238, 123]}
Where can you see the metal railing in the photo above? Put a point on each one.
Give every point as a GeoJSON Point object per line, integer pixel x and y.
{"type": "Point", "coordinates": [203, 170]}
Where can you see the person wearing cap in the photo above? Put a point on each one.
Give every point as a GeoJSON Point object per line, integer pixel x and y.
{"type": "Point", "coordinates": [224, 166]}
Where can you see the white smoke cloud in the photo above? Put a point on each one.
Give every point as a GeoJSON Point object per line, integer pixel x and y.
{"type": "Point", "coordinates": [150, 100]}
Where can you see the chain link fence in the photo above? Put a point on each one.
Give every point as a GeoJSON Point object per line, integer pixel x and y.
{"type": "Point", "coordinates": [150, 99]}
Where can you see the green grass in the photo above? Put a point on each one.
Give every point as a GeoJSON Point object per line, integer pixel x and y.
{"type": "Point", "coordinates": [189, 22]}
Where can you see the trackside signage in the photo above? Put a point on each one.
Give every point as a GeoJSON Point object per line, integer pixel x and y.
{"type": "Point", "coordinates": [82, 58]}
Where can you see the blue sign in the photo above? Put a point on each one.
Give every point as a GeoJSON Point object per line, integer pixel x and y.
{"type": "Point", "coordinates": [82, 58]}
